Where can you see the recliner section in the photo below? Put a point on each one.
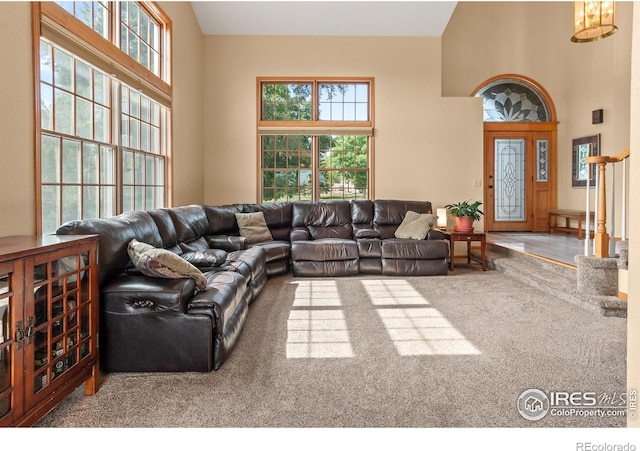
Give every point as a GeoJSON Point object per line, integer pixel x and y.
{"type": "Point", "coordinates": [153, 324]}
{"type": "Point", "coordinates": [323, 243]}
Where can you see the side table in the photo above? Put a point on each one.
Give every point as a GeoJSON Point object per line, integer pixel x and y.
{"type": "Point", "coordinates": [469, 237]}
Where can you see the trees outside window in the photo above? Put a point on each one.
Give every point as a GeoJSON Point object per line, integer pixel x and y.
{"type": "Point", "coordinates": [316, 139]}
{"type": "Point", "coordinates": [104, 143]}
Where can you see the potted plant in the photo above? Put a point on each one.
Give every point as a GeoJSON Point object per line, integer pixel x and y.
{"type": "Point", "coordinates": [465, 213]}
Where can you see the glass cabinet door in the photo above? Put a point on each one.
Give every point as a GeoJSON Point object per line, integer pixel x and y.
{"type": "Point", "coordinates": [60, 319]}
{"type": "Point", "coordinates": [10, 296]}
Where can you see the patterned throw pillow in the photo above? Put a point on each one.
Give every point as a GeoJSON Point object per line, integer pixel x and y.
{"type": "Point", "coordinates": [253, 227]}
{"type": "Point", "coordinates": [154, 262]}
{"type": "Point", "coordinates": [415, 226]}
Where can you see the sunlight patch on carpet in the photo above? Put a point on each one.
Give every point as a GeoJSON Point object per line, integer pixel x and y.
{"type": "Point", "coordinates": [393, 292]}
{"type": "Point", "coordinates": [415, 330]}
{"type": "Point", "coordinates": [317, 293]}
{"type": "Point", "coordinates": [317, 333]}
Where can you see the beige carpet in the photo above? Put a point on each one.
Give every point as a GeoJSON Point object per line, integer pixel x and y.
{"type": "Point", "coordinates": [449, 351]}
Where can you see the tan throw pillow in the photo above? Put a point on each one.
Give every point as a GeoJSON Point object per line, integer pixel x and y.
{"type": "Point", "coordinates": [253, 227]}
{"type": "Point", "coordinates": [136, 249]}
{"type": "Point", "coordinates": [415, 226]}
{"type": "Point", "coordinates": [154, 262]}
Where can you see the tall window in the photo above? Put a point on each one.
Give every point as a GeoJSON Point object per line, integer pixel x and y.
{"type": "Point", "coordinates": [104, 136]}
{"type": "Point", "coordinates": [316, 139]}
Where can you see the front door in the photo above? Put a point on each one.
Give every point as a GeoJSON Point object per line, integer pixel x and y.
{"type": "Point", "coordinates": [518, 177]}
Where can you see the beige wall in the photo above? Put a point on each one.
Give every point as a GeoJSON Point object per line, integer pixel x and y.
{"type": "Point", "coordinates": [188, 104]}
{"type": "Point", "coordinates": [421, 138]}
{"type": "Point", "coordinates": [633, 321]}
{"type": "Point", "coordinates": [579, 78]}
{"type": "Point", "coordinates": [17, 185]}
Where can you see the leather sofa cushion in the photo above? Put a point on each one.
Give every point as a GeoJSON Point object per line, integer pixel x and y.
{"type": "Point", "coordinates": [206, 258]}
{"type": "Point", "coordinates": [366, 233]}
{"type": "Point", "coordinates": [324, 219]}
{"type": "Point", "coordinates": [329, 268]}
{"type": "Point", "coordinates": [326, 249]}
{"type": "Point", "coordinates": [190, 222]}
{"type": "Point", "coordinates": [248, 262]}
{"type": "Point", "coordinates": [386, 231]}
{"type": "Point", "coordinates": [343, 231]}
{"type": "Point", "coordinates": [277, 268]}
{"type": "Point", "coordinates": [199, 244]}
{"type": "Point", "coordinates": [370, 266]}
{"type": "Point", "coordinates": [412, 267]}
{"type": "Point", "coordinates": [388, 214]}
{"type": "Point", "coordinates": [222, 219]}
{"type": "Point", "coordinates": [397, 248]}
{"type": "Point", "coordinates": [392, 212]}
{"type": "Point", "coordinates": [165, 226]}
{"type": "Point", "coordinates": [275, 250]}
{"type": "Point", "coordinates": [362, 212]}
{"type": "Point", "coordinates": [227, 242]}
{"type": "Point", "coordinates": [226, 291]}
{"type": "Point", "coordinates": [277, 215]}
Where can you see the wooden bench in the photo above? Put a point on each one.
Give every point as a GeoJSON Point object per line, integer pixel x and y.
{"type": "Point", "coordinates": [568, 215]}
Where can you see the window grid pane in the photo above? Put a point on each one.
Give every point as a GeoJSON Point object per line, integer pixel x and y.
{"type": "Point", "coordinates": [343, 162]}
{"type": "Point", "coordinates": [286, 102]}
{"type": "Point", "coordinates": [73, 186]}
{"type": "Point", "coordinates": [68, 89]}
{"type": "Point", "coordinates": [285, 168]}
{"type": "Point", "coordinates": [142, 180]}
{"type": "Point", "coordinates": [139, 36]}
{"type": "Point", "coordinates": [144, 154]}
{"type": "Point", "coordinates": [93, 14]}
{"type": "Point", "coordinates": [343, 102]}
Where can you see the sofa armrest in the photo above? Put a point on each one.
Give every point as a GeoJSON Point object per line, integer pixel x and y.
{"type": "Point", "coordinates": [435, 234]}
{"type": "Point", "coordinates": [133, 295]}
{"type": "Point", "coordinates": [145, 326]}
{"type": "Point", "coordinates": [228, 243]}
{"type": "Point", "coordinates": [299, 234]}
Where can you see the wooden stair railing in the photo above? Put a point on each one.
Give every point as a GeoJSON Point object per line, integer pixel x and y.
{"type": "Point", "coordinates": [601, 235]}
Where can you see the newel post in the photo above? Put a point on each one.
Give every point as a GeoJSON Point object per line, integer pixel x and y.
{"type": "Point", "coordinates": [601, 236]}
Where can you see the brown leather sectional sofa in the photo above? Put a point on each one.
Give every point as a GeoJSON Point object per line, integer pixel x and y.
{"type": "Point", "coordinates": [158, 324]}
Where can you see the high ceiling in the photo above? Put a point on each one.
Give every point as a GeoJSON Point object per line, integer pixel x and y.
{"type": "Point", "coordinates": [324, 18]}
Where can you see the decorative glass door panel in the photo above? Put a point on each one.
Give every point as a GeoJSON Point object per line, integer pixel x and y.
{"type": "Point", "coordinates": [6, 293]}
{"type": "Point", "coordinates": [510, 167]}
{"type": "Point", "coordinates": [11, 339]}
{"type": "Point", "coordinates": [62, 339]}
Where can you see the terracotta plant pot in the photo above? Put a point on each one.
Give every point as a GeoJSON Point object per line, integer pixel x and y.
{"type": "Point", "coordinates": [464, 224]}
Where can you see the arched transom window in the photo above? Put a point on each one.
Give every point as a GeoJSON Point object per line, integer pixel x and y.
{"type": "Point", "coordinates": [513, 100]}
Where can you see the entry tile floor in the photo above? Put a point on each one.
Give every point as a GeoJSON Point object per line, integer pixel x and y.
{"type": "Point", "coordinates": [559, 247]}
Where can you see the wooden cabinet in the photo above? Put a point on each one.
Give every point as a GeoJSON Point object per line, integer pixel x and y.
{"type": "Point", "coordinates": [48, 323]}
